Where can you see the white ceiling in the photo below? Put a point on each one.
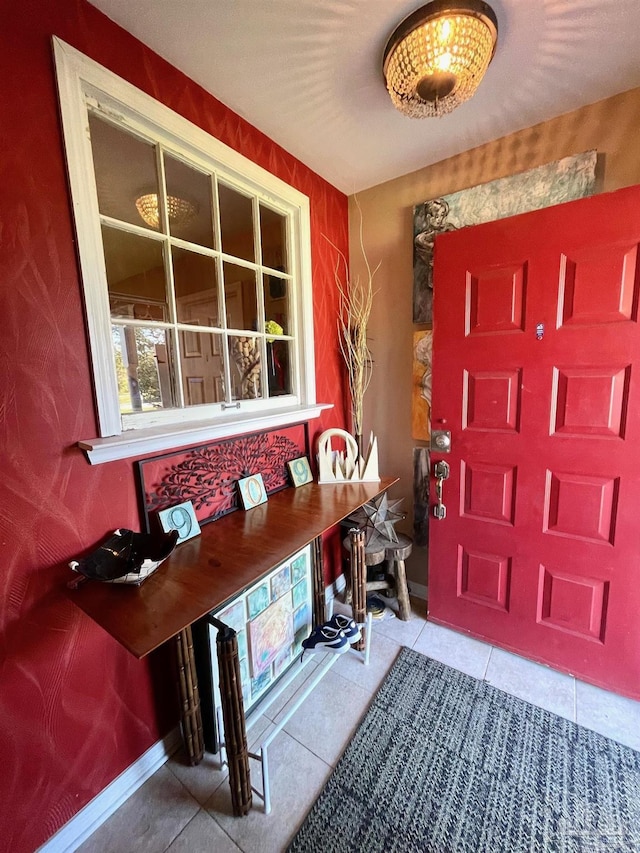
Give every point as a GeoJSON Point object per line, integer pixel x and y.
{"type": "Point", "coordinates": [308, 72]}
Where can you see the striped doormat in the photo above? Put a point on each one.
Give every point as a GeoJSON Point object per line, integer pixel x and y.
{"type": "Point", "coordinates": [442, 762]}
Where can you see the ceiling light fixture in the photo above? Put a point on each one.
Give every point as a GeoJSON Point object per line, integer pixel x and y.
{"type": "Point", "coordinates": [435, 59]}
{"type": "Point", "coordinates": [180, 210]}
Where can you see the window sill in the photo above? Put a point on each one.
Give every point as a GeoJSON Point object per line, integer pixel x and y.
{"type": "Point", "coordinates": [142, 442]}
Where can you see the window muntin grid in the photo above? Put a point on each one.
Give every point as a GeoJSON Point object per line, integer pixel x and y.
{"type": "Point", "coordinates": [225, 256]}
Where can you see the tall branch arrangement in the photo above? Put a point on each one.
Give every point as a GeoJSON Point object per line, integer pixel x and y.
{"type": "Point", "coordinates": [354, 307]}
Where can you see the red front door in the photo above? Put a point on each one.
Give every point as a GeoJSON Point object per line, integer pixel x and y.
{"type": "Point", "coordinates": [536, 372]}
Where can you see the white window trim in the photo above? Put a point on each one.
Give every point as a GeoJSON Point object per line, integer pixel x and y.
{"type": "Point", "coordinates": [80, 78]}
{"type": "Point", "coordinates": [139, 442]}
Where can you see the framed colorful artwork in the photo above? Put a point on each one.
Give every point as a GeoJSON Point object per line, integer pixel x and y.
{"type": "Point", "coordinates": [271, 619]}
{"type": "Point", "coordinates": [234, 616]}
{"type": "Point", "coordinates": [300, 471]}
{"type": "Point", "coordinates": [300, 593]}
{"type": "Point", "coordinates": [258, 600]}
{"type": "Point", "coordinates": [281, 663]}
{"type": "Point", "coordinates": [243, 649]}
{"type": "Point", "coordinates": [299, 568]}
{"type": "Point", "coordinates": [302, 619]}
{"type": "Point", "coordinates": [182, 518]}
{"type": "Point", "coordinates": [252, 491]}
{"type": "Point", "coordinates": [260, 683]}
{"type": "Point", "coordinates": [280, 583]}
{"type": "Point", "coordinates": [270, 633]}
{"type": "Point", "coordinates": [245, 679]}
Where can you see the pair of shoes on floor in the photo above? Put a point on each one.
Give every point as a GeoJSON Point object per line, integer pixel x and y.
{"type": "Point", "coordinates": [335, 636]}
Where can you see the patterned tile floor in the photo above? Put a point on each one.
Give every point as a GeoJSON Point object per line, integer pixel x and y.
{"type": "Point", "coordinates": [184, 809]}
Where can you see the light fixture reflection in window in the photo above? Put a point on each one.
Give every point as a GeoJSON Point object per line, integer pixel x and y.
{"type": "Point", "coordinates": [180, 210]}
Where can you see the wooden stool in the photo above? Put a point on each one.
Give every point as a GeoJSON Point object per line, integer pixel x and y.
{"type": "Point", "coordinates": [394, 553]}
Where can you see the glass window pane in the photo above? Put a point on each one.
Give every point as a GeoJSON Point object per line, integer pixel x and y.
{"type": "Point", "coordinates": [278, 368]}
{"type": "Point", "coordinates": [119, 187]}
{"type": "Point", "coordinates": [236, 223]}
{"type": "Point", "coordinates": [135, 275]}
{"type": "Point", "coordinates": [202, 368]}
{"type": "Point", "coordinates": [276, 299]}
{"type": "Point", "coordinates": [240, 299]}
{"type": "Point", "coordinates": [196, 287]}
{"type": "Point", "coordinates": [189, 202]}
{"type": "Point", "coordinates": [246, 367]}
{"type": "Point", "coordinates": [142, 357]}
{"type": "Point", "coordinates": [273, 235]}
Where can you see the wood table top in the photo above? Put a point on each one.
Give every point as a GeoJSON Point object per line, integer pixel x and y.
{"type": "Point", "coordinates": [229, 555]}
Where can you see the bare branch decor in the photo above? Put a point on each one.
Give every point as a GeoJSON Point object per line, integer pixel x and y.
{"type": "Point", "coordinates": [355, 302]}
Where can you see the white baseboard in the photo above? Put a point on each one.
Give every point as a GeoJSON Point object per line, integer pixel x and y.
{"type": "Point", "coordinates": [70, 836]}
{"type": "Point", "coordinates": [418, 590]}
{"type": "Point", "coordinates": [331, 591]}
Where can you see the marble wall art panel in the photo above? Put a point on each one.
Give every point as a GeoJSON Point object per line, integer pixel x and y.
{"type": "Point", "coordinates": [563, 180]}
{"type": "Point", "coordinates": [421, 387]}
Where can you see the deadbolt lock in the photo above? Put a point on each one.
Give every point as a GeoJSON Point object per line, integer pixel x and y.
{"type": "Point", "coordinates": [441, 441]}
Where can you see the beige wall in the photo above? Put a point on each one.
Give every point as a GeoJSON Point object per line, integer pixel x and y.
{"type": "Point", "coordinates": [611, 127]}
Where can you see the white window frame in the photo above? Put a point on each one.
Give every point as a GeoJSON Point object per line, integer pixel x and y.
{"type": "Point", "coordinates": [83, 82]}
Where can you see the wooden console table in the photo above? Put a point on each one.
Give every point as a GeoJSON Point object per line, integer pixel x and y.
{"type": "Point", "coordinates": [211, 569]}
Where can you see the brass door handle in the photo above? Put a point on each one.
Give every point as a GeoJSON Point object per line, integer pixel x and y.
{"type": "Point", "coordinates": [441, 471]}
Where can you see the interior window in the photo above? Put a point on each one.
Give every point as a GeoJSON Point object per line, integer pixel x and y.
{"type": "Point", "coordinates": [196, 271]}
{"type": "Point", "coordinates": [197, 277]}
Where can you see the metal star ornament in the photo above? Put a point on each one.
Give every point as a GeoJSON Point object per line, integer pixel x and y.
{"type": "Point", "coordinates": [378, 517]}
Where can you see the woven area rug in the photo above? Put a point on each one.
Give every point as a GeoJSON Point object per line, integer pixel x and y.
{"type": "Point", "coordinates": [442, 762]}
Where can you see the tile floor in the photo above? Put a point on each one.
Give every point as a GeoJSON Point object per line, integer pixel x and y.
{"type": "Point", "coordinates": [184, 809]}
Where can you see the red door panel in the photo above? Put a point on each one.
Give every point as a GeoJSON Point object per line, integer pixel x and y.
{"type": "Point", "coordinates": [536, 361]}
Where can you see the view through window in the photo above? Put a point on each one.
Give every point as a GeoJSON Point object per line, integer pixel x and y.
{"type": "Point", "coordinates": [199, 280]}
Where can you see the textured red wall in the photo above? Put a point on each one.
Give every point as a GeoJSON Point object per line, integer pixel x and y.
{"type": "Point", "coordinates": [75, 708]}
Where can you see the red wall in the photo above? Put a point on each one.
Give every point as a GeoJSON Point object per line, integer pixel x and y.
{"type": "Point", "coordinates": [75, 708]}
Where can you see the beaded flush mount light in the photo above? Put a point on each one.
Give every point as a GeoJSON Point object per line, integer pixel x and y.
{"type": "Point", "coordinates": [436, 57]}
